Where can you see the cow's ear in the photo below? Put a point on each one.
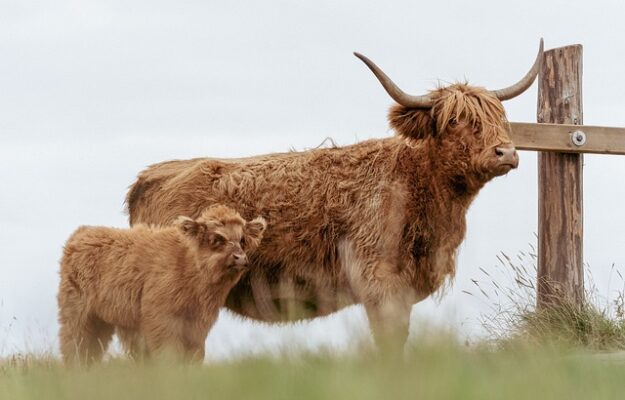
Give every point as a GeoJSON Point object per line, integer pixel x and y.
{"type": "Point", "coordinates": [253, 232]}
{"type": "Point", "coordinates": [188, 226]}
{"type": "Point", "coordinates": [411, 123]}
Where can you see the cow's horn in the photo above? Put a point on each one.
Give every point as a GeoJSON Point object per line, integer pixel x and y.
{"type": "Point", "coordinates": [522, 85]}
{"type": "Point", "coordinates": [395, 92]}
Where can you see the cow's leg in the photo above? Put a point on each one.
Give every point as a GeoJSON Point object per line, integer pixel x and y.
{"type": "Point", "coordinates": [389, 319]}
{"type": "Point", "coordinates": [379, 285]}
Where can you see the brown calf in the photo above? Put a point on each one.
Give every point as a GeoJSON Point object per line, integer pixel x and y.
{"type": "Point", "coordinates": [160, 287]}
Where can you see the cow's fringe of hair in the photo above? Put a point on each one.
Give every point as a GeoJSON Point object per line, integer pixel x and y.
{"type": "Point", "coordinates": [475, 105]}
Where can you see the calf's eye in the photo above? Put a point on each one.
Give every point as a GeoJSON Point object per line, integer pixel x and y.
{"type": "Point", "coordinates": [218, 240]}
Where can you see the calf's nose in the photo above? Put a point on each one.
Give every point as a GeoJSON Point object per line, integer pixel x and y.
{"type": "Point", "coordinates": [240, 259]}
{"type": "Point", "coordinates": [507, 155]}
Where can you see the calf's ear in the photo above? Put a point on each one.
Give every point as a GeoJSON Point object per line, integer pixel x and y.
{"type": "Point", "coordinates": [187, 226]}
{"type": "Point", "coordinates": [253, 232]}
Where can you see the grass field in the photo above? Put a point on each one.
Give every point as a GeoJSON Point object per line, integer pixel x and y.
{"type": "Point", "coordinates": [560, 353]}
{"type": "Point", "coordinates": [437, 371]}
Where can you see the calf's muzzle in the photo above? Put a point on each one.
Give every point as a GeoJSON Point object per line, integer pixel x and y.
{"type": "Point", "coordinates": [239, 259]}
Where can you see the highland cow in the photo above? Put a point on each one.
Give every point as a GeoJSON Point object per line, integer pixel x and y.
{"type": "Point", "coordinates": [160, 288]}
{"type": "Point", "coordinates": [377, 223]}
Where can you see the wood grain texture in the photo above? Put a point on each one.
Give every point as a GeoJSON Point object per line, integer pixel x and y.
{"type": "Point", "coordinates": [555, 137]}
{"type": "Point", "coordinates": [560, 218]}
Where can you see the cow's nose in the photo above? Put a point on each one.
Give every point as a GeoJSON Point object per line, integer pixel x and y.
{"type": "Point", "coordinates": [507, 155]}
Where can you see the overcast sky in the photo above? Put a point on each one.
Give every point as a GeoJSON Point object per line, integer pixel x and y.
{"type": "Point", "coordinates": [92, 92]}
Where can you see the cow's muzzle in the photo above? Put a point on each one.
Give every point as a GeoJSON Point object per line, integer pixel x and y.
{"type": "Point", "coordinates": [507, 156]}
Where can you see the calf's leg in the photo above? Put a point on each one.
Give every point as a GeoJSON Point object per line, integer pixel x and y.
{"type": "Point", "coordinates": [84, 342]}
{"type": "Point", "coordinates": [133, 343]}
{"type": "Point", "coordinates": [164, 337]}
{"type": "Point", "coordinates": [83, 337]}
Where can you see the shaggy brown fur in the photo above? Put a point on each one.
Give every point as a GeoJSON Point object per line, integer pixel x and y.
{"type": "Point", "coordinates": [160, 288]}
{"type": "Point", "coordinates": [376, 223]}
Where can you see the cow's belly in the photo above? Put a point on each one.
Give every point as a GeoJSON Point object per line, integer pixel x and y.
{"type": "Point", "coordinates": [287, 300]}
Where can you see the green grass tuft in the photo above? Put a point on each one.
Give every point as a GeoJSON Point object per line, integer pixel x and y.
{"type": "Point", "coordinates": [514, 320]}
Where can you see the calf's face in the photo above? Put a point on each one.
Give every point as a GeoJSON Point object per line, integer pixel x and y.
{"type": "Point", "coordinates": [222, 237]}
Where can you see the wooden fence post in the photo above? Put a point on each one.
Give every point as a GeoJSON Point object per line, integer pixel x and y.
{"type": "Point", "coordinates": [560, 217]}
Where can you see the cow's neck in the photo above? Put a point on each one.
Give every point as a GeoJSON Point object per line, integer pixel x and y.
{"type": "Point", "coordinates": [438, 178]}
{"type": "Point", "coordinates": [441, 193]}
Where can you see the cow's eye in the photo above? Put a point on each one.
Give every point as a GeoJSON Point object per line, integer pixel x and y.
{"type": "Point", "coordinates": [242, 241]}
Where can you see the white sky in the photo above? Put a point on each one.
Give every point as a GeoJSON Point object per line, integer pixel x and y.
{"type": "Point", "coordinates": [92, 92]}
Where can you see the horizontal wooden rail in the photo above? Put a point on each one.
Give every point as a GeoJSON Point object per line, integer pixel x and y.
{"type": "Point", "coordinates": [567, 138]}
